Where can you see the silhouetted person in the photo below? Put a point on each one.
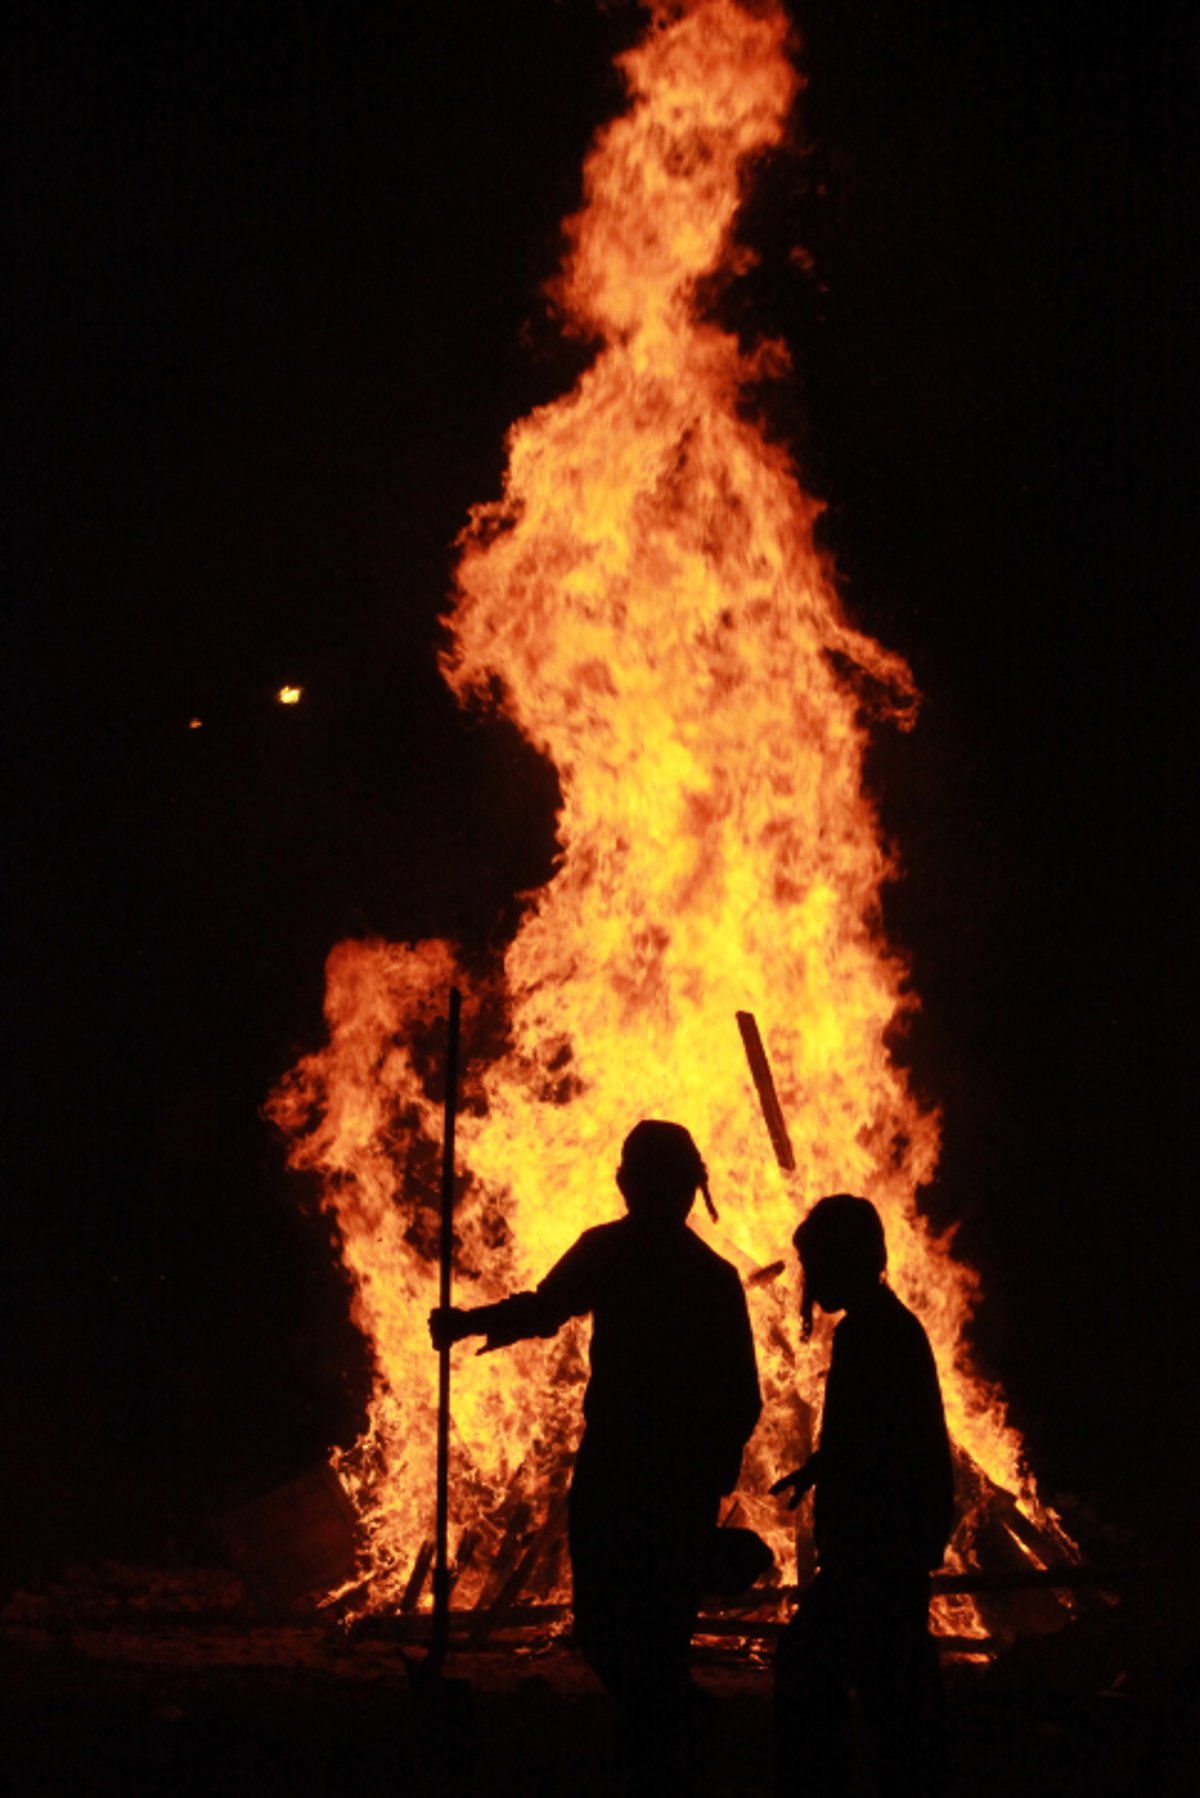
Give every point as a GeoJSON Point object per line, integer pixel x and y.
{"type": "Point", "coordinates": [883, 1509]}
{"type": "Point", "coordinates": [672, 1398]}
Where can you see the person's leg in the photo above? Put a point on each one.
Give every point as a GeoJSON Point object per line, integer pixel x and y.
{"type": "Point", "coordinates": [635, 1567]}
{"type": "Point", "coordinates": [812, 1700]}
{"type": "Point", "coordinates": [900, 1688]}
{"type": "Point", "coordinates": [659, 1703]}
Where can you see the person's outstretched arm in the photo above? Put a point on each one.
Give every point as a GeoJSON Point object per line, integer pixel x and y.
{"type": "Point", "coordinates": [798, 1483]}
{"type": "Point", "coordinates": [508, 1320]}
{"type": "Point", "coordinates": [566, 1291]}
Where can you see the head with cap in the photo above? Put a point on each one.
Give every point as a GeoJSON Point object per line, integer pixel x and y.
{"type": "Point", "coordinates": [661, 1170]}
{"type": "Point", "coordinates": [843, 1253]}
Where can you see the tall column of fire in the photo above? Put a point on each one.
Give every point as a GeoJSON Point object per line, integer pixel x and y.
{"type": "Point", "coordinates": [647, 601]}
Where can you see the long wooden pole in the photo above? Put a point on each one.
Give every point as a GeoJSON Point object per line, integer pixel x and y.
{"type": "Point", "coordinates": [441, 1565]}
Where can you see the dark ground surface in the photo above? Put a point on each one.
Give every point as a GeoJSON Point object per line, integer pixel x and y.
{"type": "Point", "coordinates": [99, 1698]}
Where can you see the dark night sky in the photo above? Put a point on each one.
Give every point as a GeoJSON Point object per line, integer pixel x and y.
{"type": "Point", "coordinates": [276, 304]}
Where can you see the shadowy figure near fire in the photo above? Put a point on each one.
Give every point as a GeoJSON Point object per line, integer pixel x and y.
{"type": "Point", "coordinates": [882, 1514]}
{"type": "Point", "coordinates": [672, 1398]}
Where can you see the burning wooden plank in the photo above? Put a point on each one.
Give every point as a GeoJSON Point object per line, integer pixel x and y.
{"type": "Point", "coordinates": [764, 1084]}
{"type": "Point", "coordinates": [505, 1600]}
{"type": "Point", "coordinates": [418, 1576]}
{"type": "Point", "coordinates": [508, 1556]}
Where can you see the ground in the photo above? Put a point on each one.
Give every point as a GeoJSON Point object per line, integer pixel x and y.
{"type": "Point", "coordinates": [106, 1696]}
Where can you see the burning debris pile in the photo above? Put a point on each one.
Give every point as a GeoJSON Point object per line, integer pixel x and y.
{"type": "Point", "coordinates": [646, 602]}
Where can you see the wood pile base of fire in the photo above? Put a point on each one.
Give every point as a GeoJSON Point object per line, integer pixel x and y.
{"type": "Point", "coordinates": [751, 1626]}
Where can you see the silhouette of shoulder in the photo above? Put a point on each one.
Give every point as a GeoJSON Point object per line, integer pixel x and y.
{"type": "Point", "coordinates": [882, 1378]}
{"type": "Point", "coordinates": [621, 1251]}
{"type": "Point", "coordinates": [654, 1282]}
{"type": "Point", "coordinates": [883, 1315]}
{"type": "Point", "coordinates": [885, 1492]}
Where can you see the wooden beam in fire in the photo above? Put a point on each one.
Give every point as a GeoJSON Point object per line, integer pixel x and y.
{"type": "Point", "coordinates": [756, 1621]}
{"type": "Point", "coordinates": [764, 1085]}
{"type": "Point", "coordinates": [506, 1558]}
{"type": "Point", "coordinates": [521, 1569]}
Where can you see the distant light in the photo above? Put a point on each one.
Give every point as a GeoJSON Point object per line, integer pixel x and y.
{"type": "Point", "coordinates": [195, 724]}
{"type": "Point", "coordinates": [289, 695]}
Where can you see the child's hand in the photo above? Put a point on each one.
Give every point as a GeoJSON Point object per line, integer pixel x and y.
{"type": "Point", "coordinates": [796, 1484]}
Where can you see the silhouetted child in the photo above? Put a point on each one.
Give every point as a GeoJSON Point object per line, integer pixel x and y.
{"type": "Point", "coordinates": [672, 1398]}
{"type": "Point", "coordinates": [883, 1510]}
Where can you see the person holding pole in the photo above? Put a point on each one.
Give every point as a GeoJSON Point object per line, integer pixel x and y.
{"type": "Point", "coordinates": [671, 1401]}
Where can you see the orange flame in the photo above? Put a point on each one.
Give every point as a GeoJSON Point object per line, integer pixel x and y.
{"type": "Point", "coordinates": [648, 600]}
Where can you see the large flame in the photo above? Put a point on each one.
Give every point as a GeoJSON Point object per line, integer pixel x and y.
{"type": "Point", "coordinates": [647, 601]}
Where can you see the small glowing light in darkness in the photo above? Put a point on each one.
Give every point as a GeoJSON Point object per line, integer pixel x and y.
{"type": "Point", "coordinates": [195, 723]}
{"type": "Point", "coordinates": [289, 695]}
